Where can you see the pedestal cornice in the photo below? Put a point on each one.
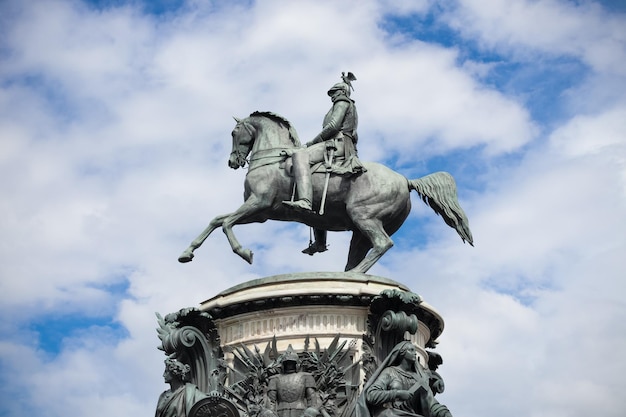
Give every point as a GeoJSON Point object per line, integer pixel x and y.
{"type": "Point", "coordinates": [328, 289]}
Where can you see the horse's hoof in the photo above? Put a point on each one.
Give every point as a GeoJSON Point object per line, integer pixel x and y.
{"type": "Point", "coordinates": [247, 255]}
{"type": "Point", "coordinates": [185, 257]}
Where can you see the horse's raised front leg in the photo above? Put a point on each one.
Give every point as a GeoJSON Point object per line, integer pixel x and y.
{"type": "Point", "coordinates": [187, 254]}
{"type": "Point", "coordinates": [252, 206]}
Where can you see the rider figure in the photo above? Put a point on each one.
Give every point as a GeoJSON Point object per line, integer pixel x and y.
{"type": "Point", "coordinates": [338, 138]}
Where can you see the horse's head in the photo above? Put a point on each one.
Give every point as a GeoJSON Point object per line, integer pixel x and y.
{"type": "Point", "coordinates": [243, 138]}
{"type": "Point", "coordinates": [261, 132]}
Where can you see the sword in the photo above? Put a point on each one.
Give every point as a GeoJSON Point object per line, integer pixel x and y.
{"type": "Point", "coordinates": [328, 162]}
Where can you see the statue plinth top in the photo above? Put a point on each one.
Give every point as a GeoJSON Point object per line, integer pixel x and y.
{"type": "Point", "coordinates": [309, 283]}
{"type": "Point", "coordinates": [312, 289]}
{"type": "Point", "coordinates": [296, 277]}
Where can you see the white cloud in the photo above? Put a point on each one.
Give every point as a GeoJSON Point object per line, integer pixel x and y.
{"type": "Point", "coordinates": [423, 94]}
{"type": "Point", "coordinates": [580, 29]}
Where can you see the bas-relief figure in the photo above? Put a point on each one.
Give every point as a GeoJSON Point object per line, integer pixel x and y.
{"type": "Point", "coordinates": [325, 186]}
{"type": "Point", "coordinates": [292, 391]}
{"type": "Point", "coordinates": [182, 395]}
{"type": "Point", "coordinates": [287, 384]}
{"type": "Point", "coordinates": [401, 387]}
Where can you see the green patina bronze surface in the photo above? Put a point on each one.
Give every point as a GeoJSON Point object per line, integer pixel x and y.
{"type": "Point", "coordinates": [368, 198]}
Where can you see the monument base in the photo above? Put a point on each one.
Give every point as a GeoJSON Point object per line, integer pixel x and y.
{"type": "Point", "coordinates": [338, 328]}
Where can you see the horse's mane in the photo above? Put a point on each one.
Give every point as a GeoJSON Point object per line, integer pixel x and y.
{"type": "Point", "coordinates": [293, 135]}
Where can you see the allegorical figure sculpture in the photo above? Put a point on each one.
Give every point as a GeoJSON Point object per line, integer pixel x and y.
{"type": "Point", "coordinates": [292, 391]}
{"type": "Point", "coordinates": [182, 395]}
{"type": "Point", "coordinates": [335, 146]}
{"type": "Point", "coordinates": [400, 387]}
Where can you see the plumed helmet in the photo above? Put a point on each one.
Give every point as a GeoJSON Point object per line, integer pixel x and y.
{"type": "Point", "coordinates": [345, 86]}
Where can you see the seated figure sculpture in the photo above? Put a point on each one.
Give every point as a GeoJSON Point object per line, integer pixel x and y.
{"type": "Point", "coordinates": [400, 387]}
{"type": "Point", "coordinates": [291, 392]}
{"type": "Point", "coordinates": [182, 395]}
{"type": "Point", "coordinates": [335, 145]}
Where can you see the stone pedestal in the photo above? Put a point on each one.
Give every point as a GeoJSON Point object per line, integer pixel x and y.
{"type": "Point", "coordinates": [319, 305]}
{"type": "Point", "coordinates": [339, 328]}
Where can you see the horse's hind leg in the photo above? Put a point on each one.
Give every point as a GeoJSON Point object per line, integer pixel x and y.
{"type": "Point", "coordinates": [373, 230]}
{"type": "Point", "coordinates": [187, 254]}
{"type": "Point", "coordinates": [359, 246]}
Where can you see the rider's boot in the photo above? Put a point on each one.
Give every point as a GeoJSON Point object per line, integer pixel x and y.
{"type": "Point", "coordinates": [302, 174]}
{"type": "Point", "coordinates": [319, 245]}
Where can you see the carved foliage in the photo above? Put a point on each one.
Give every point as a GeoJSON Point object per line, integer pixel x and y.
{"type": "Point", "coordinates": [330, 368]}
{"type": "Point", "coordinates": [250, 390]}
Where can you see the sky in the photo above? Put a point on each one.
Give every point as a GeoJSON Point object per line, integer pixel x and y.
{"type": "Point", "coordinates": [115, 121]}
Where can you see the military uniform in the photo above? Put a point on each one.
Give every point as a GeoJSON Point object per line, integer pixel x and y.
{"type": "Point", "coordinates": [291, 393]}
{"type": "Point", "coordinates": [333, 150]}
{"type": "Point", "coordinates": [339, 132]}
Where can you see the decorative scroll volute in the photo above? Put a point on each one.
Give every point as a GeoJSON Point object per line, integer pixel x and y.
{"type": "Point", "coordinates": [190, 336]}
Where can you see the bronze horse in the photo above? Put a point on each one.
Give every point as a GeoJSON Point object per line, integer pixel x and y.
{"type": "Point", "coordinates": [373, 205]}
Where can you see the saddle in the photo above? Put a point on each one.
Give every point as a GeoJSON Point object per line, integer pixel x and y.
{"type": "Point", "coordinates": [317, 168]}
{"type": "Point", "coordinates": [335, 156]}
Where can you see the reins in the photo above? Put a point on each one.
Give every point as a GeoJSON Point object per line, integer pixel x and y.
{"type": "Point", "coordinates": [267, 157]}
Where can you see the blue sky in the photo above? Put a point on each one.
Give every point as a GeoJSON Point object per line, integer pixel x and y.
{"type": "Point", "coordinates": [115, 129]}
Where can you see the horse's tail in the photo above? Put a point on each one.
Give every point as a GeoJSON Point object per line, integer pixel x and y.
{"type": "Point", "coordinates": [438, 190]}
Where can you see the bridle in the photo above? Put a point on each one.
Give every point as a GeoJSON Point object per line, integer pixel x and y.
{"type": "Point", "coordinates": [244, 153]}
{"type": "Point", "coordinates": [241, 151]}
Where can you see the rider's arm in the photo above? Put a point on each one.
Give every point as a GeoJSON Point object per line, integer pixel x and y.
{"type": "Point", "coordinates": [334, 124]}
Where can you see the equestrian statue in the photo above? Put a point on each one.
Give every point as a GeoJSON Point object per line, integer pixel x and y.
{"type": "Point", "coordinates": [324, 185]}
